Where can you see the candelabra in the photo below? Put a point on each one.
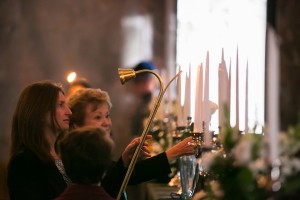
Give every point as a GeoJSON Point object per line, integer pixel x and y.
{"type": "Point", "coordinates": [200, 146]}
{"type": "Point", "coordinates": [126, 75]}
{"type": "Point", "coordinates": [191, 174]}
{"type": "Point", "coordinates": [187, 167]}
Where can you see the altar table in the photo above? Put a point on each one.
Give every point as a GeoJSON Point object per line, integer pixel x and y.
{"type": "Point", "coordinates": [161, 191]}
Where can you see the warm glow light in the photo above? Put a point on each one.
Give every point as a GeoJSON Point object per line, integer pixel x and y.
{"type": "Point", "coordinates": [71, 77]}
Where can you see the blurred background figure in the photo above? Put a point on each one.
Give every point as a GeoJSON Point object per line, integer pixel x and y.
{"type": "Point", "coordinates": [137, 97]}
{"type": "Point", "coordinates": [142, 89]}
{"type": "Point", "coordinates": [131, 105]}
{"type": "Point", "coordinates": [76, 83]}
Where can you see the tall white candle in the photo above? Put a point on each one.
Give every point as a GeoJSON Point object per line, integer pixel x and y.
{"type": "Point", "coordinates": [198, 100]}
{"type": "Point", "coordinates": [237, 115]}
{"type": "Point", "coordinates": [221, 95]}
{"type": "Point", "coordinates": [272, 92]}
{"type": "Point", "coordinates": [223, 89]}
{"type": "Point", "coordinates": [229, 91]}
{"type": "Point", "coordinates": [179, 101]}
{"type": "Point", "coordinates": [246, 101]}
{"type": "Point", "coordinates": [207, 136]}
{"type": "Point", "coordinates": [187, 100]}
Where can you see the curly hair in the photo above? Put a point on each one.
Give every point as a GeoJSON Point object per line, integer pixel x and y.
{"type": "Point", "coordinates": [78, 102]}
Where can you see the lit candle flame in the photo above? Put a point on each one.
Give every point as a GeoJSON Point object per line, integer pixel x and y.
{"type": "Point", "coordinates": [71, 77]}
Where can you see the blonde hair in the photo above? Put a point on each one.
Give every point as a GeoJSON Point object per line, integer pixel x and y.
{"type": "Point", "coordinates": [78, 102]}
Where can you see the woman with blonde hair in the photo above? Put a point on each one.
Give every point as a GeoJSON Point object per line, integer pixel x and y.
{"type": "Point", "coordinates": [91, 107]}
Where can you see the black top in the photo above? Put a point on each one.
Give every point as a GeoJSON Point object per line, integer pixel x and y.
{"type": "Point", "coordinates": [30, 178]}
{"type": "Point", "coordinates": [144, 170]}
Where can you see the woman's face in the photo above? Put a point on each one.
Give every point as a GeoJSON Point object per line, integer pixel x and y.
{"type": "Point", "coordinates": [62, 112]}
{"type": "Point", "coordinates": [98, 117]}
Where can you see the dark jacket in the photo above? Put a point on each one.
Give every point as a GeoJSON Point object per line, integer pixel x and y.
{"type": "Point", "coordinates": [145, 170]}
{"type": "Point", "coordinates": [30, 178]}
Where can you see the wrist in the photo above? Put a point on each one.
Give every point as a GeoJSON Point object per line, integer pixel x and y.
{"type": "Point", "coordinates": [171, 155]}
{"type": "Point", "coordinates": [124, 160]}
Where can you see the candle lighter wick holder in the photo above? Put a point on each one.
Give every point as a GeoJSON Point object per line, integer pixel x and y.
{"type": "Point", "coordinates": [125, 76]}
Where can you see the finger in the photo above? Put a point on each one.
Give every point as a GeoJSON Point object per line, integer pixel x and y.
{"type": "Point", "coordinates": [147, 137]}
{"type": "Point", "coordinates": [146, 144]}
{"type": "Point", "coordinates": [132, 145]}
{"type": "Point", "coordinates": [136, 140]}
{"type": "Point", "coordinates": [145, 149]}
{"type": "Point", "coordinates": [145, 154]}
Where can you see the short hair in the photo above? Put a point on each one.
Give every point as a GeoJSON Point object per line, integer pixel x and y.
{"type": "Point", "coordinates": [86, 153]}
{"type": "Point", "coordinates": [82, 82]}
{"type": "Point", "coordinates": [28, 123]}
{"type": "Point", "coordinates": [78, 101]}
{"type": "Point", "coordinates": [77, 84]}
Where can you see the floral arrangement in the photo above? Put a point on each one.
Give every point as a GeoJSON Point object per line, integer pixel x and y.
{"type": "Point", "coordinates": [241, 169]}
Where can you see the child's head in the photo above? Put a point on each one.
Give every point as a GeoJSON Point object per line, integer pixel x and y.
{"type": "Point", "coordinates": [86, 154]}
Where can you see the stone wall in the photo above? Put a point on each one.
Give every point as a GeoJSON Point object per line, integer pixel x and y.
{"type": "Point", "coordinates": [288, 28]}
{"type": "Point", "coordinates": [46, 39]}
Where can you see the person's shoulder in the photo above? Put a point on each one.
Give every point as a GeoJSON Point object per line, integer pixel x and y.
{"type": "Point", "coordinates": [23, 166]}
{"type": "Point", "coordinates": [24, 159]}
{"type": "Point", "coordinates": [103, 194]}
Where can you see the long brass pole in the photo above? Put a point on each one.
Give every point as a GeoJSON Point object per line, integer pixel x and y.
{"type": "Point", "coordinates": [146, 129]}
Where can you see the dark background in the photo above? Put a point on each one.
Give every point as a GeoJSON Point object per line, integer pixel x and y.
{"type": "Point", "coordinates": [42, 39]}
{"type": "Point", "coordinates": [46, 39]}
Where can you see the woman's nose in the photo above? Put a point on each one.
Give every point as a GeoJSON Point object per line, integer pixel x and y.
{"type": "Point", "coordinates": [106, 122]}
{"type": "Point", "coordinates": [69, 112]}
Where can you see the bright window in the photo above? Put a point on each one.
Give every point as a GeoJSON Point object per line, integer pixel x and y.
{"type": "Point", "coordinates": [231, 25]}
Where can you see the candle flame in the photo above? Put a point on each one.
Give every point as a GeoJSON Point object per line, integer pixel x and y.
{"type": "Point", "coordinates": [71, 77]}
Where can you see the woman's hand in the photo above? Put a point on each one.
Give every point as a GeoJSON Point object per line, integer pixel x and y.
{"type": "Point", "coordinates": [130, 149]}
{"type": "Point", "coordinates": [184, 147]}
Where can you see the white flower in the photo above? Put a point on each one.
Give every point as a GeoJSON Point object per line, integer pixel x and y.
{"type": "Point", "coordinates": [289, 166]}
{"type": "Point", "coordinates": [242, 151]}
{"type": "Point", "coordinates": [208, 158]}
{"type": "Point", "coordinates": [259, 165]}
